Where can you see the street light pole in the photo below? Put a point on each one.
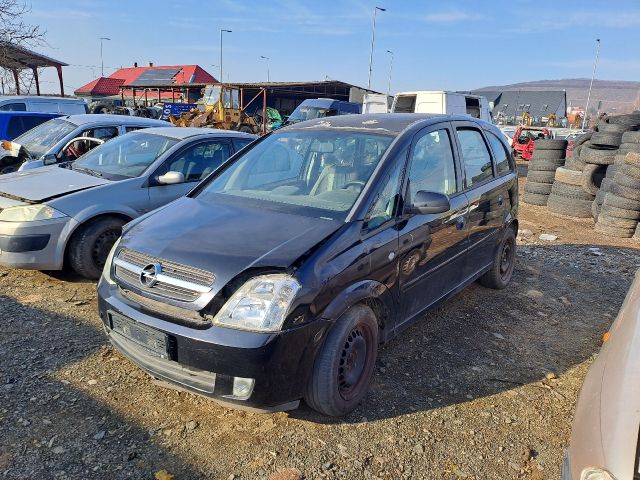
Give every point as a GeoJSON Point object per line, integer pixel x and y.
{"type": "Point", "coordinates": [593, 75]}
{"type": "Point", "coordinates": [222, 30]}
{"type": "Point", "coordinates": [373, 40]}
{"type": "Point", "coordinates": [390, 70]}
{"type": "Point", "coordinates": [101, 61]}
{"type": "Point", "coordinates": [267, 59]}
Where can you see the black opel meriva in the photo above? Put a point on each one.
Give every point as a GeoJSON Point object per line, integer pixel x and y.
{"type": "Point", "coordinates": [278, 276]}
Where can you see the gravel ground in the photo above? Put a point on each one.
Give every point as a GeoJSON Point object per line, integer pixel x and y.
{"type": "Point", "coordinates": [483, 388]}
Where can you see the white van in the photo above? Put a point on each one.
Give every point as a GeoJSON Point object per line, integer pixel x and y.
{"type": "Point", "coordinates": [33, 103]}
{"type": "Point", "coordinates": [441, 102]}
{"type": "Point", "coordinates": [375, 103]}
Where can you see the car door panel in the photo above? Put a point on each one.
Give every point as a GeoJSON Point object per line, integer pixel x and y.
{"type": "Point", "coordinates": [432, 246]}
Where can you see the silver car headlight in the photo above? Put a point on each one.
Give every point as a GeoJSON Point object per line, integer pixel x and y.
{"type": "Point", "coordinates": [30, 213]}
{"type": "Point", "coordinates": [261, 304]}
{"type": "Point", "coordinates": [595, 473]}
{"type": "Point", "coordinates": [106, 271]}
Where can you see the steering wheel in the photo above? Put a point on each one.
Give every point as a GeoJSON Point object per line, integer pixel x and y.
{"type": "Point", "coordinates": [358, 183]}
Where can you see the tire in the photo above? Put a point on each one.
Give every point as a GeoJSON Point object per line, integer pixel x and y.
{"type": "Point", "coordinates": [616, 222]}
{"type": "Point", "coordinates": [353, 339]}
{"type": "Point", "coordinates": [595, 210]}
{"type": "Point", "coordinates": [600, 197]}
{"type": "Point", "coordinates": [616, 201]}
{"type": "Point", "coordinates": [571, 191]}
{"type": "Point", "coordinates": [541, 188]}
{"type": "Point", "coordinates": [545, 165]}
{"type": "Point", "coordinates": [606, 184]}
{"type": "Point", "coordinates": [611, 171]}
{"type": "Point", "coordinates": [90, 245]}
{"type": "Point", "coordinates": [503, 263]}
{"type": "Point", "coordinates": [550, 144]}
{"type": "Point", "coordinates": [612, 128]}
{"type": "Point", "coordinates": [621, 213]}
{"type": "Point", "coordinates": [571, 177]}
{"type": "Point", "coordinates": [631, 120]}
{"type": "Point", "coordinates": [548, 155]}
{"type": "Point", "coordinates": [628, 170]}
{"type": "Point", "coordinates": [613, 231]}
{"type": "Point", "coordinates": [571, 207]}
{"type": "Point", "coordinates": [629, 148]}
{"type": "Point", "coordinates": [607, 139]}
{"type": "Point", "coordinates": [541, 176]}
{"type": "Point", "coordinates": [582, 139]}
{"type": "Point", "coordinates": [592, 176]}
{"type": "Point", "coordinates": [574, 163]}
{"type": "Point", "coordinates": [631, 158]}
{"type": "Point", "coordinates": [626, 181]}
{"type": "Point", "coordinates": [597, 157]}
{"type": "Point", "coordinates": [535, 199]}
{"type": "Point", "coordinates": [626, 192]}
{"type": "Point", "coordinates": [631, 137]}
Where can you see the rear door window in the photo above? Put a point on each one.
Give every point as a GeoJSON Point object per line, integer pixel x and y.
{"type": "Point", "coordinates": [240, 143]}
{"type": "Point", "coordinates": [475, 156]}
{"type": "Point", "coordinates": [13, 107]}
{"type": "Point", "coordinates": [103, 133]}
{"type": "Point", "coordinates": [500, 154]}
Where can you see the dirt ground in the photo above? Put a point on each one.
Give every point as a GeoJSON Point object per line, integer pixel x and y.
{"type": "Point", "coordinates": [463, 394]}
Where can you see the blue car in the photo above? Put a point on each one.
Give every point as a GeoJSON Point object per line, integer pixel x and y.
{"type": "Point", "coordinates": [14, 124]}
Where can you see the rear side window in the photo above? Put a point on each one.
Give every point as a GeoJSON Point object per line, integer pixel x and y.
{"type": "Point", "coordinates": [13, 107]}
{"type": "Point", "coordinates": [500, 154]}
{"type": "Point", "coordinates": [475, 156]}
{"type": "Point", "coordinates": [240, 143]}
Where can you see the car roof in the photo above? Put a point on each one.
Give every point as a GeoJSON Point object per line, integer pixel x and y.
{"type": "Point", "coordinates": [384, 123]}
{"type": "Point", "coordinates": [45, 98]}
{"type": "Point", "coordinates": [181, 133]}
{"type": "Point", "coordinates": [86, 118]}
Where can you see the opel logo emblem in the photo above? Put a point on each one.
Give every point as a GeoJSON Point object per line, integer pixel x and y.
{"type": "Point", "coordinates": [149, 275]}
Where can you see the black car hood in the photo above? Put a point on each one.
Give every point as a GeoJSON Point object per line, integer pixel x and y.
{"type": "Point", "coordinates": [226, 239]}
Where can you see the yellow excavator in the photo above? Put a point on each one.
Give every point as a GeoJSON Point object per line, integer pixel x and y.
{"type": "Point", "coordinates": [219, 108]}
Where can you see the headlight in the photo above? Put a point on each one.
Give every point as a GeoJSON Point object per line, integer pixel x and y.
{"type": "Point", "coordinates": [29, 213]}
{"type": "Point", "coordinates": [594, 473]}
{"type": "Point", "coordinates": [106, 271]}
{"type": "Point", "coordinates": [261, 304]}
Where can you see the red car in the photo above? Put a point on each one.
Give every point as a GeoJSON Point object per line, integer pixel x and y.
{"type": "Point", "coordinates": [523, 140]}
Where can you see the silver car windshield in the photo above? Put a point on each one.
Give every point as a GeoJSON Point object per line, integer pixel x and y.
{"type": "Point", "coordinates": [317, 170]}
{"type": "Point", "coordinates": [41, 139]}
{"type": "Point", "coordinates": [126, 156]}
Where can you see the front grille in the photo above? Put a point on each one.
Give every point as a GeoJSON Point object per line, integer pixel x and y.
{"type": "Point", "coordinates": [176, 281]}
{"type": "Point", "coordinates": [176, 270]}
{"type": "Point", "coordinates": [163, 310]}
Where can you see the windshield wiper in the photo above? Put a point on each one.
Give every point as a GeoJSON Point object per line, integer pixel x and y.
{"type": "Point", "coordinates": [88, 171]}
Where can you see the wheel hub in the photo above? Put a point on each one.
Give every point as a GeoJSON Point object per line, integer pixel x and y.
{"type": "Point", "coordinates": [353, 360]}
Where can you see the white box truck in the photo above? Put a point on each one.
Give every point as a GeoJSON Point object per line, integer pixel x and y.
{"type": "Point", "coordinates": [443, 103]}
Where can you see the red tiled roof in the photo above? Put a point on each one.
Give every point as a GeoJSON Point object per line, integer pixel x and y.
{"type": "Point", "coordinates": [111, 85]}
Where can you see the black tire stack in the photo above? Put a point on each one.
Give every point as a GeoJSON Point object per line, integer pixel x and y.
{"type": "Point", "coordinates": [620, 211]}
{"type": "Point", "coordinates": [547, 157]}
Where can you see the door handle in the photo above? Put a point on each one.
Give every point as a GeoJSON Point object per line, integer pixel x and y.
{"type": "Point", "coordinates": [459, 223]}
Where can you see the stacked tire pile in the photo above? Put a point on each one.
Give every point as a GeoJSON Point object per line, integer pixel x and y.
{"type": "Point", "coordinates": [620, 211]}
{"type": "Point", "coordinates": [547, 157]}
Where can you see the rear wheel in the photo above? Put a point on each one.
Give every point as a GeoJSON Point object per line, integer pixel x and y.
{"type": "Point", "coordinates": [503, 263]}
{"type": "Point", "coordinates": [345, 363]}
{"type": "Point", "coordinates": [90, 245]}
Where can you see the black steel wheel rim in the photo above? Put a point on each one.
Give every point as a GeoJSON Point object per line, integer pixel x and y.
{"type": "Point", "coordinates": [355, 360]}
{"type": "Point", "coordinates": [102, 247]}
{"type": "Point", "coordinates": [507, 259]}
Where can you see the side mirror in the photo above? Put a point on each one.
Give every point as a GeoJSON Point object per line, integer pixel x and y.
{"type": "Point", "coordinates": [171, 178]}
{"type": "Point", "coordinates": [430, 202]}
{"type": "Point", "coordinates": [49, 159]}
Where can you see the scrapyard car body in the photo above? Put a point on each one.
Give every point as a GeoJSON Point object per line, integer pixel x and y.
{"type": "Point", "coordinates": [238, 290]}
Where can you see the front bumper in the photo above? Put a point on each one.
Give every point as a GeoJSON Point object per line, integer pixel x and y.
{"type": "Point", "coordinates": [206, 361]}
{"type": "Point", "coordinates": [35, 245]}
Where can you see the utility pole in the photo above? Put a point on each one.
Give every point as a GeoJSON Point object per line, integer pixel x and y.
{"type": "Point", "coordinates": [101, 60]}
{"type": "Point", "coordinates": [373, 40]}
{"type": "Point", "coordinates": [267, 59]}
{"type": "Point", "coordinates": [593, 75]}
{"type": "Point", "coordinates": [222, 30]}
{"type": "Point", "coordinates": [390, 71]}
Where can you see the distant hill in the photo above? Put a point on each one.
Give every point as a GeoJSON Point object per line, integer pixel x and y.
{"type": "Point", "coordinates": [615, 95]}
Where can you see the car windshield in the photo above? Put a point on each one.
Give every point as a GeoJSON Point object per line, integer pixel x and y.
{"type": "Point", "coordinates": [318, 173]}
{"type": "Point", "coordinates": [41, 139]}
{"type": "Point", "coordinates": [124, 157]}
{"type": "Point", "coordinates": [302, 113]}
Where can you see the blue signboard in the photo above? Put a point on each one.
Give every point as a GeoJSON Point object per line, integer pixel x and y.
{"type": "Point", "coordinates": [176, 109]}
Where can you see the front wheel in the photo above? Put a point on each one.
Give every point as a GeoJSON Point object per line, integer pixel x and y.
{"type": "Point", "coordinates": [503, 263]}
{"type": "Point", "coordinates": [90, 245]}
{"type": "Point", "coordinates": [345, 363]}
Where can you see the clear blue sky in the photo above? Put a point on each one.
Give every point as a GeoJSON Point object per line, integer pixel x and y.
{"type": "Point", "coordinates": [451, 45]}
